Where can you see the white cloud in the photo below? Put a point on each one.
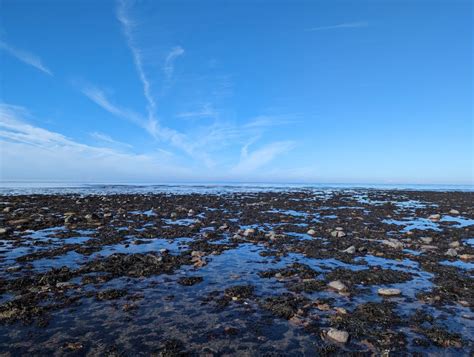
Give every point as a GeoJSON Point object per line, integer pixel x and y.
{"type": "Point", "coordinates": [345, 25]}
{"type": "Point", "coordinates": [249, 162]}
{"type": "Point", "coordinates": [127, 27]}
{"type": "Point", "coordinates": [107, 139]}
{"type": "Point", "coordinates": [168, 68]}
{"type": "Point", "coordinates": [30, 152]}
{"type": "Point", "coordinates": [206, 111]}
{"type": "Point", "coordinates": [26, 57]}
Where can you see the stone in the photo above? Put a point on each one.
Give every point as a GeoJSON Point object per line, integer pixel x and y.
{"type": "Point", "coordinates": [311, 232]}
{"type": "Point", "coordinates": [17, 222]}
{"type": "Point", "coordinates": [340, 310]}
{"type": "Point", "coordinates": [337, 285]}
{"type": "Point", "coordinates": [434, 217]}
{"type": "Point", "coordinates": [3, 230]}
{"type": "Point", "coordinates": [191, 213]}
{"type": "Point", "coordinates": [6, 209]}
{"type": "Point", "coordinates": [454, 244]}
{"type": "Point", "coordinates": [350, 250]}
{"type": "Point", "coordinates": [467, 257]}
{"type": "Point", "coordinates": [339, 336]}
{"type": "Point", "coordinates": [426, 240]}
{"type": "Point", "coordinates": [249, 231]}
{"type": "Point", "coordinates": [389, 292]}
{"type": "Point", "coordinates": [223, 227]}
{"type": "Point", "coordinates": [173, 215]}
{"type": "Point", "coordinates": [454, 212]}
{"type": "Point", "coordinates": [338, 234]}
{"type": "Point", "coordinates": [393, 243]}
{"type": "Point", "coordinates": [452, 252]}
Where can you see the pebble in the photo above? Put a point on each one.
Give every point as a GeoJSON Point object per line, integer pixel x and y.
{"type": "Point", "coordinates": [7, 209]}
{"type": "Point", "coordinates": [337, 285]}
{"type": "Point", "coordinates": [350, 250]}
{"type": "Point", "coordinates": [454, 244]}
{"type": "Point", "coordinates": [190, 213]}
{"type": "Point", "coordinates": [338, 335]}
{"type": "Point", "coordinates": [467, 257]}
{"type": "Point", "coordinates": [393, 243]}
{"type": "Point", "coordinates": [249, 232]}
{"type": "Point", "coordinates": [338, 234]}
{"type": "Point", "coordinates": [173, 215]}
{"type": "Point", "coordinates": [311, 232]}
{"type": "Point", "coordinates": [452, 252]}
{"type": "Point", "coordinates": [389, 292]}
{"type": "Point", "coordinates": [454, 211]}
{"type": "Point", "coordinates": [434, 217]}
{"type": "Point", "coordinates": [3, 230]}
{"type": "Point", "coordinates": [426, 240]}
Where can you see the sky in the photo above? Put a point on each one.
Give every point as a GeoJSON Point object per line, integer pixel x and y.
{"type": "Point", "coordinates": [237, 91]}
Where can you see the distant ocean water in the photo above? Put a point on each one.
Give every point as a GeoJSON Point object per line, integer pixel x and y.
{"type": "Point", "coordinates": [23, 187]}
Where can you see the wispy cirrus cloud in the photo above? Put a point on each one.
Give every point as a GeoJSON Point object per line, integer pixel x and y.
{"type": "Point", "coordinates": [101, 137]}
{"type": "Point", "coordinates": [207, 110]}
{"type": "Point", "coordinates": [26, 57]}
{"type": "Point", "coordinates": [48, 155]}
{"type": "Point", "coordinates": [346, 25]}
{"type": "Point", "coordinates": [168, 68]}
{"type": "Point", "coordinates": [251, 161]}
{"type": "Point", "coordinates": [127, 28]}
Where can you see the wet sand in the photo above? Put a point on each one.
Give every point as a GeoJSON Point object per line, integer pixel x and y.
{"type": "Point", "coordinates": [244, 273]}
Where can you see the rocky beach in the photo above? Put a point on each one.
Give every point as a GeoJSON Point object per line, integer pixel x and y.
{"type": "Point", "coordinates": [284, 272]}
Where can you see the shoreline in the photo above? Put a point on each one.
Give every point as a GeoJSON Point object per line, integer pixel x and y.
{"type": "Point", "coordinates": [291, 272]}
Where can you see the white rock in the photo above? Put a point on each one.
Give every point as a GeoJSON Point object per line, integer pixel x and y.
{"type": "Point", "coordinates": [338, 234]}
{"type": "Point", "coordinates": [389, 292]}
{"type": "Point", "coordinates": [337, 285]}
{"type": "Point", "coordinates": [454, 211]}
{"type": "Point", "coordinates": [454, 244]}
{"type": "Point", "coordinates": [3, 230]}
{"type": "Point", "coordinates": [451, 252]}
{"type": "Point", "coordinates": [249, 232]}
{"type": "Point", "coordinates": [426, 240]}
{"type": "Point", "coordinates": [393, 243]}
{"type": "Point", "coordinates": [338, 335]}
{"type": "Point", "coordinates": [311, 232]}
{"type": "Point", "coordinates": [434, 217]}
{"type": "Point", "coordinates": [350, 250]}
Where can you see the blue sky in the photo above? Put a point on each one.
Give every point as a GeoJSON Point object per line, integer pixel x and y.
{"type": "Point", "coordinates": [249, 91]}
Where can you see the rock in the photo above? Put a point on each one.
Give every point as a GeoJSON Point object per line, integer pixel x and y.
{"type": "Point", "coordinates": [340, 310]}
{"type": "Point", "coordinates": [6, 209]}
{"type": "Point", "coordinates": [191, 213]}
{"type": "Point", "coordinates": [452, 252]}
{"type": "Point", "coordinates": [338, 335]}
{"type": "Point", "coordinates": [17, 222]}
{"type": "Point", "coordinates": [14, 268]}
{"type": "Point", "coordinates": [249, 232]}
{"type": "Point", "coordinates": [454, 212]}
{"type": "Point", "coordinates": [338, 234]}
{"type": "Point", "coordinates": [236, 236]}
{"type": "Point", "coordinates": [107, 215]}
{"type": "Point", "coordinates": [454, 244]}
{"type": "Point", "coordinates": [350, 250]}
{"type": "Point", "coordinates": [426, 240]}
{"type": "Point", "coordinates": [434, 217]}
{"type": "Point", "coordinates": [173, 215]}
{"type": "Point", "coordinates": [389, 292]}
{"type": "Point", "coordinates": [3, 230]}
{"type": "Point", "coordinates": [393, 243]}
{"type": "Point", "coordinates": [311, 232]}
{"type": "Point", "coordinates": [337, 285]}
{"type": "Point", "coordinates": [467, 257]}
{"type": "Point", "coordinates": [429, 247]}
{"type": "Point", "coordinates": [223, 227]}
